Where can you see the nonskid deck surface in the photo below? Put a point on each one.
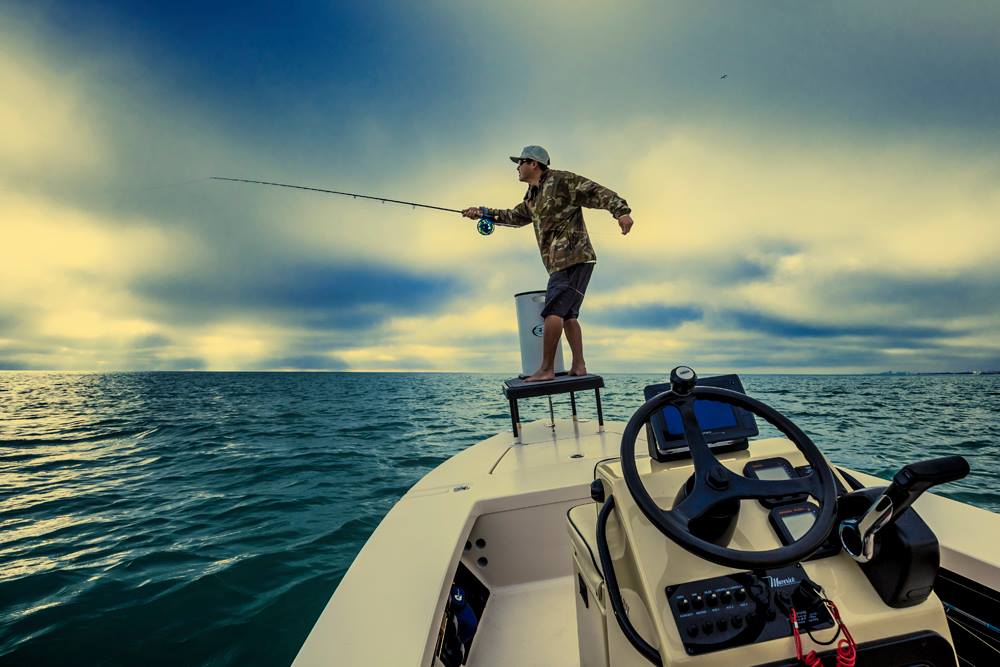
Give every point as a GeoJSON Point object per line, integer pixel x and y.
{"type": "Point", "coordinates": [528, 625]}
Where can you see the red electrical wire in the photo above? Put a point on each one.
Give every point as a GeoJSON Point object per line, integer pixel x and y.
{"type": "Point", "coordinates": [811, 659]}
{"type": "Point", "coordinates": [847, 649]}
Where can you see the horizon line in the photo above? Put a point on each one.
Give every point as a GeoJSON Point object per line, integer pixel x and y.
{"type": "Point", "coordinates": [469, 372]}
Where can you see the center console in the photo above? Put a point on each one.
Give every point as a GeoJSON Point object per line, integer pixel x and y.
{"type": "Point", "coordinates": [687, 610]}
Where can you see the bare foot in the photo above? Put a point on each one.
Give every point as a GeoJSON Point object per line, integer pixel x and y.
{"type": "Point", "coordinates": [578, 370]}
{"type": "Point", "coordinates": [539, 376]}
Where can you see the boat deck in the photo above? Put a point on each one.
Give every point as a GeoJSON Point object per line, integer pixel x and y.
{"type": "Point", "coordinates": [511, 641]}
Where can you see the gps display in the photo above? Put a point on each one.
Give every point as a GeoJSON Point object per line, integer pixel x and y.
{"type": "Point", "coordinates": [724, 427]}
{"type": "Point", "coordinates": [711, 416]}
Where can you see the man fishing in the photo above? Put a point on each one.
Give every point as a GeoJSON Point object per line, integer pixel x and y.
{"type": "Point", "coordinates": [553, 205]}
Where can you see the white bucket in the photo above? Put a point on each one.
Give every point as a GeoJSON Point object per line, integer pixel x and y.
{"type": "Point", "coordinates": [529, 326]}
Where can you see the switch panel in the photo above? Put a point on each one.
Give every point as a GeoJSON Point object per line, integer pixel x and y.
{"type": "Point", "coordinates": [742, 608]}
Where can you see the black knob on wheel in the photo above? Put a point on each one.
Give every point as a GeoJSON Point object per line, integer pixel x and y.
{"type": "Point", "coordinates": [682, 379]}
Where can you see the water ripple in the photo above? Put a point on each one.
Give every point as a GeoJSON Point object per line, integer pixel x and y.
{"type": "Point", "coordinates": [206, 518]}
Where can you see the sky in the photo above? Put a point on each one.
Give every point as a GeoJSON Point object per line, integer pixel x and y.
{"type": "Point", "coordinates": [830, 206]}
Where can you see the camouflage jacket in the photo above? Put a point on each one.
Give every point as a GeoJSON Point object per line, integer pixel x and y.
{"type": "Point", "coordinates": [553, 207]}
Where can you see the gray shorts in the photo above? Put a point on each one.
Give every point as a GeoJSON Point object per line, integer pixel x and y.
{"type": "Point", "coordinates": [564, 294]}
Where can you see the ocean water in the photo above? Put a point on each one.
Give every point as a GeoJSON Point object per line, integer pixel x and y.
{"type": "Point", "coordinates": [206, 518]}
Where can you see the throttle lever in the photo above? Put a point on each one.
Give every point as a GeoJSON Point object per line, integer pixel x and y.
{"type": "Point", "coordinates": [914, 479]}
{"type": "Point", "coordinates": [858, 534]}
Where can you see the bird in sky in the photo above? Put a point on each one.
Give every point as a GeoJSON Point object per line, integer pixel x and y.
{"type": "Point", "coordinates": [723, 76]}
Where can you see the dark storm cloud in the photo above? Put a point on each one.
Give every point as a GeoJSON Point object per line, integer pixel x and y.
{"type": "Point", "coordinates": [650, 316]}
{"type": "Point", "coordinates": [789, 328]}
{"type": "Point", "coordinates": [755, 263]}
{"type": "Point", "coordinates": [149, 341]}
{"type": "Point", "coordinates": [974, 292]}
{"type": "Point", "coordinates": [833, 355]}
{"type": "Point", "coordinates": [742, 269]}
{"type": "Point", "coordinates": [768, 357]}
{"type": "Point", "coordinates": [317, 295]}
{"type": "Point", "coordinates": [294, 82]}
{"type": "Point", "coordinates": [919, 65]}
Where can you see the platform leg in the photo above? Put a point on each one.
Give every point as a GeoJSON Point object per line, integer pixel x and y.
{"type": "Point", "coordinates": [515, 419]}
{"type": "Point", "coordinates": [572, 402]}
{"type": "Point", "coordinates": [600, 412]}
{"type": "Point", "coordinates": [552, 415]}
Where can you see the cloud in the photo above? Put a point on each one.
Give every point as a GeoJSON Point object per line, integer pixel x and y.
{"type": "Point", "coordinates": [975, 292]}
{"type": "Point", "coordinates": [649, 316]}
{"type": "Point", "coordinates": [831, 204]}
{"type": "Point", "coordinates": [850, 65]}
{"type": "Point", "coordinates": [349, 297]}
{"type": "Point", "coordinates": [148, 341]}
{"type": "Point", "coordinates": [38, 97]}
{"type": "Point", "coordinates": [786, 328]}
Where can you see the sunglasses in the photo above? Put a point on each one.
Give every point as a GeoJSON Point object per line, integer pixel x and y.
{"type": "Point", "coordinates": [523, 160]}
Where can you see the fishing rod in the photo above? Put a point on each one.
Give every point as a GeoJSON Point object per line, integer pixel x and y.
{"type": "Point", "coordinates": [484, 226]}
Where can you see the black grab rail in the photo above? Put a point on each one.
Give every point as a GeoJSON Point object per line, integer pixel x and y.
{"type": "Point", "coordinates": [614, 593]}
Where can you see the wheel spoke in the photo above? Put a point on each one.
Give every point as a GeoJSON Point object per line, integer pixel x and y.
{"type": "Point", "coordinates": [682, 512]}
{"type": "Point", "coordinates": [701, 455]}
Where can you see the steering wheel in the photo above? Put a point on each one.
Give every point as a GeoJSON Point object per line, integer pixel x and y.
{"type": "Point", "coordinates": [714, 483]}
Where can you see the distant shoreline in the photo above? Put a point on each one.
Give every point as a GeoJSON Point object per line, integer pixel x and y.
{"type": "Point", "coordinates": [891, 373]}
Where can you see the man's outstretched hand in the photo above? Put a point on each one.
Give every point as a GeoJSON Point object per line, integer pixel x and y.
{"type": "Point", "coordinates": [625, 222]}
{"type": "Point", "coordinates": [473, 212]}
